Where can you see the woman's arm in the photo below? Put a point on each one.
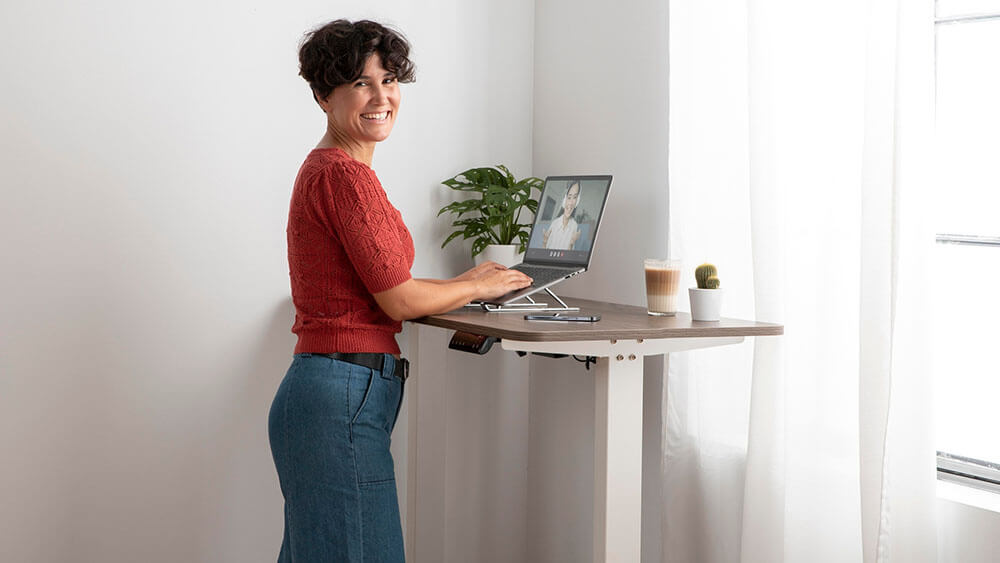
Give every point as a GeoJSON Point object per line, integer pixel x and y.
{"type": "Point", "coordinates": [470, 274]}
{"type": "Point", "coordinates": [418, 298]}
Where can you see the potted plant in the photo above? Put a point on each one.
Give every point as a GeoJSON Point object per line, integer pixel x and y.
{"type": "Point", "coordinates": [706, 299]}
{"type": "Point", "coordinates": [494, 217]}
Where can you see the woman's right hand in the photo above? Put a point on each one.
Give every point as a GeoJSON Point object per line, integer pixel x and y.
{"type": "Point", "coordinates": [500, 282]}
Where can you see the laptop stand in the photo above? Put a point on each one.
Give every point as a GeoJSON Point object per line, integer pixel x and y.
{"type": "Point", "coordinates": [531, 306]}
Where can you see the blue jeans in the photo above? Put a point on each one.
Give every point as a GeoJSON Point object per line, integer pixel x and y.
{"type": "Point", "coordinates": [329, 428]}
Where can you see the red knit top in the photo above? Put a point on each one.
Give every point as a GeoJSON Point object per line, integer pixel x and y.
{"type": "Point", "coordinates": [345, 242]}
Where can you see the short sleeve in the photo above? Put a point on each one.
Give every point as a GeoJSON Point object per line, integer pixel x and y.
{"type": "Point", "coordinates": [350, 201]}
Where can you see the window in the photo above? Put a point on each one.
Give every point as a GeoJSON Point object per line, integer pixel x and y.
{"type": "Point", "coordinates": [967, 256]}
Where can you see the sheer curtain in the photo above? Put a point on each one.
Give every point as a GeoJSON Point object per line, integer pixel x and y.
{"type": "Point", "coordinates": [799, 138]}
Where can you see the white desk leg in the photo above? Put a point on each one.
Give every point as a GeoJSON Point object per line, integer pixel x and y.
{"type": "Point", "coordinates": [618, 455]}
{"type": "Point", "coordinates": [427, 440]}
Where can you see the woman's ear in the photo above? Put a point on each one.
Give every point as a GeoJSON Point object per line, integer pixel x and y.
{"type": "Point", "coordinates": [324, 104]}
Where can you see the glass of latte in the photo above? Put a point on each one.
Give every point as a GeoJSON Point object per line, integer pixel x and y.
{"type": "Point", "coordinates": [663, 280]}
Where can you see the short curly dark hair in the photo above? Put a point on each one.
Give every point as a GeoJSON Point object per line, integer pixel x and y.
{"type": "Point", "coordinates": [336, 53]}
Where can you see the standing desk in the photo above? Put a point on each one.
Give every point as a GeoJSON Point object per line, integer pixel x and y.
{"type": "Point", "coordinates": [620, 340]}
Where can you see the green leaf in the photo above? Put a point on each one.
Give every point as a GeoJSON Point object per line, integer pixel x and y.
{"type": "Point", "coordinates": [451, 237]}
{"type": "Point", "coordinates": [455, 184]}
{"type": "Point", "coordinates": [523, 237]}
{"type": "Point", "coordinates": [510, 177]}
{"type": "Point", "coordinates": [461, 207]}
{"type": "Point", "coordinates": [479, 246]}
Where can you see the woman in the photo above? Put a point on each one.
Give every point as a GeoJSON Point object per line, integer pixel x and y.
{"type": "Point", "coordinates": [349, 257]}
{"type": "Point", "coordinates": [563, 230]}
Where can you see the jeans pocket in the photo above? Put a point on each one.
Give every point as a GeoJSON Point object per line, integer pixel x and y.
{"type": "Point", "coordinates": [358, 375]}
{"type": "Point", "coordinates": [399, 404]}
{"type": "Point", "coordinates": [370, 428]}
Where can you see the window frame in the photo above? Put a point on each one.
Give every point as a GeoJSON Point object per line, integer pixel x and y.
{"type": "Point", "coordinates": [954, 468]}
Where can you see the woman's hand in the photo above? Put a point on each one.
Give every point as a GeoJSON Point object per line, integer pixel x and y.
{"type": "Point", "coordinates": [494, 279]}
{"type": "Point", "coordinates": [497, 282]}
{"type": "Point", "coordinates": [479, 271]}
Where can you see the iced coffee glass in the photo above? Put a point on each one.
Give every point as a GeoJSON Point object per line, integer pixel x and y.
{"type": "Point", "coordinates": [663, 280]}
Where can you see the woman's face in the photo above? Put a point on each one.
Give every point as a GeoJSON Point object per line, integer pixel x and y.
{"type": "Point", "coordinates": [572, 198]}
{"type": "Point", "coordinates": [365, 110]}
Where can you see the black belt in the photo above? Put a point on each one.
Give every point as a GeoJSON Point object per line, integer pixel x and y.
{"type": "Point", "coordinates": [372, 361]}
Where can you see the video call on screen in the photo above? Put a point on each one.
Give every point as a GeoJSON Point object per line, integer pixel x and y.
{"type": "Point", "coordinates": [568, 213]}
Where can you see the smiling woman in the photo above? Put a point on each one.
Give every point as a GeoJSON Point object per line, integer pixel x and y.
{"type": "Point", "coordinates": [349, 259]}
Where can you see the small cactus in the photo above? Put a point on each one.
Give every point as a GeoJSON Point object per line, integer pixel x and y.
{"type": "Point", "coordinates": [707, 276]}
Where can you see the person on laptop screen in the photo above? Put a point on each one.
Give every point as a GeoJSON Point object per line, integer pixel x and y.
{"type": "Point", "coordinates": [564, 230]}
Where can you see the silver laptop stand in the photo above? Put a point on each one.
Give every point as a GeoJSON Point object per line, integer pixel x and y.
{"type": "Point", "coordinates": [531, 306]}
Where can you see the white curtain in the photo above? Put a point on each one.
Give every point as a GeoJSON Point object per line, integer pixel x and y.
{"type": "Point", "coordinates": [799, 141]}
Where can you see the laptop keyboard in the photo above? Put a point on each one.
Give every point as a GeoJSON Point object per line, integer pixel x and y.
{"type": "Point", "coordinates": [542, 275]}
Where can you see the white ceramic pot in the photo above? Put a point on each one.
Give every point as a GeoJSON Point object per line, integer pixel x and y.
{"type": "Point", "coordinates": [505, 254]}
{"type": "Point", "coordinates": [705, 304]}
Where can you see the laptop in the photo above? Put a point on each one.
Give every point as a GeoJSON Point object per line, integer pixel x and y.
{"type": "Point", "coordinates": [563, 235]}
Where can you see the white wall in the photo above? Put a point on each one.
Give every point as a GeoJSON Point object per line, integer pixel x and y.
{"type": "Point", "coordinates": [147, 153]}
{"type": "Point", "coordinates": [600, 107]}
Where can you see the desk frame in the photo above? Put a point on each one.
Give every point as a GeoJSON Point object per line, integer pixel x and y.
{"type": "Point", "coordinates": [618, 381]}
{"type": "Point", "coordinates": [618, 432]}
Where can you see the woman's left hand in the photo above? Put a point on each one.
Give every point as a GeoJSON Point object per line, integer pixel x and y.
{"type": "Point", "coordinates": [480, 271]}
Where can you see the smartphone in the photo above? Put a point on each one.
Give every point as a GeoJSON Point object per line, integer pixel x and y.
{"type": "Point", "coordinates": [563, 318]}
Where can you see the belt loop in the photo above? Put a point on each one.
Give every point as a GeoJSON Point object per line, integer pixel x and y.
{"type": "Point", "coordinates": [387, 366]}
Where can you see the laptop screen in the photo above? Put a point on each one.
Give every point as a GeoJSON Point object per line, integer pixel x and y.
{"type": "Point", "coordinates": [569, 212]}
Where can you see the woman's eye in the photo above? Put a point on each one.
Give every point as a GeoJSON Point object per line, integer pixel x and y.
{"type": "Point", "coordinates": [389, 80]}
{"type": "Point", "coordinates": [360, 84]}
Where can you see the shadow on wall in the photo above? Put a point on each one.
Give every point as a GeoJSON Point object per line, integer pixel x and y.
{"type": "Point", "coordinates": [242, 504]}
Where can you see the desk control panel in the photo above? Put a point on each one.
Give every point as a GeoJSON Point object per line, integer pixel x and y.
{"type": "Point", "coordinates": [473, 343]}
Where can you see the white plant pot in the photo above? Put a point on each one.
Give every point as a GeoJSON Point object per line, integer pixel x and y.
{"type": "Point", "coordinates": [705, 304]}
{"type": "Point", "coordinates": [505, 254]}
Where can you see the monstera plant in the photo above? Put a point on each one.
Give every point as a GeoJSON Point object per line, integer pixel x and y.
{"type": "Point", "coordinates": [494, 215]}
